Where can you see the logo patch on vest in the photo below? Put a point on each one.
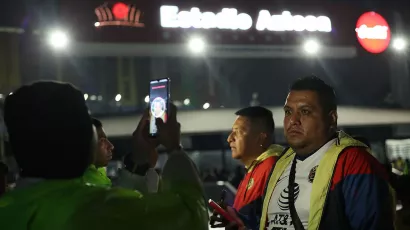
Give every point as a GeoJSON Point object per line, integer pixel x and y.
{"type": "Point", "coordinates": [250, 184]}
{"type": "Point", "coordinates": [312, 174]}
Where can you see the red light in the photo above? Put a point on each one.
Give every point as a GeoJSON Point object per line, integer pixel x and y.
{"type": "Point", "coordinates": [120, 10]}
{"type": "Point", "coordinates": [373, 32]}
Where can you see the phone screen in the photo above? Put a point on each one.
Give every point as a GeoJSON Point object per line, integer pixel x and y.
{"type": "Point", "coordinates": [159, 102]}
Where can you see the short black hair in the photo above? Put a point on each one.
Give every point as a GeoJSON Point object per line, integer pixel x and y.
{"type": "Point", "coordinates": [326, 93]}
{"type": "Point", "coordinates": [259, 113]}
{"type": "Point", "coordinates": [97, 123]}
{"type": "Point", "coordinates": [50, 130]}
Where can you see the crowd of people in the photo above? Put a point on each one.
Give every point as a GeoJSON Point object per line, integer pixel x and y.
{"type": "Point", "coordinates": [325, 179]}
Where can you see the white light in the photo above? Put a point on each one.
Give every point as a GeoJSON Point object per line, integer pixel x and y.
{"type": "Point", "coordinates": [85, 96]}
{"type": "Point", "coordinates": [11, 93]}
{"type": "Point", "coordinates": [196, 45]}
{"type": "Point", "coordinates": [58, 39]}
{"type": "Point", "coordinates": [206, 105]}
{"type": "Point", "coordinates": [311, 47]}
{"type": "Point", "coordinates": [399, 44]}
{"type": "Point", "coordinates": [93, 97]}
{"type": "Point", "coordinates": [146, 99]}
{"type": "Point", "coordinates": [187, 101]}
{"type": "Point", "coordinates": [118, 97]}
{"type": "Point", "coordinates": [1, 95]}
{"type": "Point", "coordinates": [97, 24]}
{"type": "Point", "coordinates": [99, 98]}
{"type": "Point", "coordinates": [376, 32]}
{"type": "Point", "coordinates": [288, 22]}
{"type": "Point", "coordinates": [228, 19]}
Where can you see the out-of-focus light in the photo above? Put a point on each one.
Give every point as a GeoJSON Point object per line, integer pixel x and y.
{"type": "Point", "coordinates": [196, 45]}
{"type": "Point", "coordinates": [85, 96]}
{"type": "Point", "coordinates": [177, 103]}
{"type": "Point", "coordinates": [187, 101]}
{"type": "Point", "coordinates": [399, 44]}
{"type": "Point", "coordinates": [58, 39]}
{"type": "Point", "coordinates": [311, 47]}
{"type": "Point", "coordinates": [146, 99]}
{"type": "Point", "coordinates": [99, 98]}
{"type": "Point", "coordinates": [118, 97]}
{"type": "Point", "coordinates": [93, 98]}
{"type": "Point", "coordinates": [1, 95]}
{"type": "Point", "coordinates": [206, 105]}
{"type": "Point", "coordinates": [97, 24]}
{"type": "Point", "coordinates": [10, 93]}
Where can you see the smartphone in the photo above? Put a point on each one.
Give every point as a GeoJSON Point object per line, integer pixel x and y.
{"type": "Point", "coordinates": [220, 210]}
{"type": "Point", "coordinates": [159, 98]}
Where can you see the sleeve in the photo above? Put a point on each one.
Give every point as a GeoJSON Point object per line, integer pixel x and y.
{"type": "Point", "coordinates": [179, 205]}
{"type": "Point", "coordinates": [144, 184]}
{"type": "Point", "coordinates": [367, 194]}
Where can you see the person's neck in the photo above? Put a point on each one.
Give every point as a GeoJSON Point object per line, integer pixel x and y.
{"type": "Point", "coordinates": [309, 150]}
{"type": "Point", "coordinates": [247, 161]}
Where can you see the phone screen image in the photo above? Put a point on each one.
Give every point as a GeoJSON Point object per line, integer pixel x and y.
{"type": "Point", "coordinates": [159, 98]}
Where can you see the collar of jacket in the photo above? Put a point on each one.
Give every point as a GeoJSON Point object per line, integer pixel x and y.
{"type": "Point", "coordinates": [273, 150]}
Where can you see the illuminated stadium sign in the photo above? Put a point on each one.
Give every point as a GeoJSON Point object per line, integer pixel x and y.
{"type": "Point", "coordinates": [119, 14]}
{"type": "Point", "coordinates": [231, 19]}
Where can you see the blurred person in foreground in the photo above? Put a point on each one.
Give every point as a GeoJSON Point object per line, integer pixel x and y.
{"type": "Point", "coordinates": [251, 143]}
{"type": "Point", "coordinates": [326, 179]}
{"type": "Point", "coordinates": [96, 173]}
{"type": "Point", "coordinates": [51, 193]}
{"type": "Point", "coordinates": [3, 178]}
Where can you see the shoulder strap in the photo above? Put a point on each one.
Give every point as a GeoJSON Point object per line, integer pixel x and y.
{"type": "Point", "coordinates": [271, 171]}
{"type": "Point", "coordinates": [291, 187]}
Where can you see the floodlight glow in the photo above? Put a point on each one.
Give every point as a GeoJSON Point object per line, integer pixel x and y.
{"type": "Point", "coordinates": [311, 47]}
{"type": "Point", "coordinates": [399, 44]}
{"type": "Point", "coordinates": [58, 39]}
{"type": "Point", "coordinates": [196, 45]}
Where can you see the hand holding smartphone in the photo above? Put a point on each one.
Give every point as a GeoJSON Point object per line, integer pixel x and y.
{"type": "Point", "coordinates": [221, 211]}
{"type": "Point", "coordinates": [159, 97]}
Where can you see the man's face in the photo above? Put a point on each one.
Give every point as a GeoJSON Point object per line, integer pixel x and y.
{"type": "Point", "coordinates": [104, 149]}
{"type": "Point", "coordinates": [306, 126]}
{"type": "Point", "coordinates": [242, 140]}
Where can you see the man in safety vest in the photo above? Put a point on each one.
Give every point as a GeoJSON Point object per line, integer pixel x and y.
{"type": "Point", "coordinates": [326, 179]}
{"type": "Point", "coordinates": [96, 173]}
{"type": "Point", "coordinates": [251, 143]}
{"type": "Point", "coordinates": [51, 194]}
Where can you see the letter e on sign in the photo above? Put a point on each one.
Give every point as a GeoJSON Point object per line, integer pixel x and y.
{"type": "Point", "coordinates": [373, 32]}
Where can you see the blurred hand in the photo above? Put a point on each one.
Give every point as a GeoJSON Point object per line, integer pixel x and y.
{"type": "Point", "coordinates": [143, 146]}
{"type": "Point", "coordinates": [217, 221]}
{"type": "Point", "coordinates": [169, 133]}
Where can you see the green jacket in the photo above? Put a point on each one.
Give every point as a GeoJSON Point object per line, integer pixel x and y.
{"type": "Point", "coordinates": [73, 205]}
{"type": "Point", "coordinates": [97, 176]}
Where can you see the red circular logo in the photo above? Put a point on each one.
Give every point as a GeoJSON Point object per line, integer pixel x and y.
{"type": "Point", "coordinates": [373, 32]}
{"type": "Point", "coordinates": [120, 10]}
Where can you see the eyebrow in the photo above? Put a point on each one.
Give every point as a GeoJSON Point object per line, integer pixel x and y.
{"type": "Point", "coordinates": [300, 107]}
